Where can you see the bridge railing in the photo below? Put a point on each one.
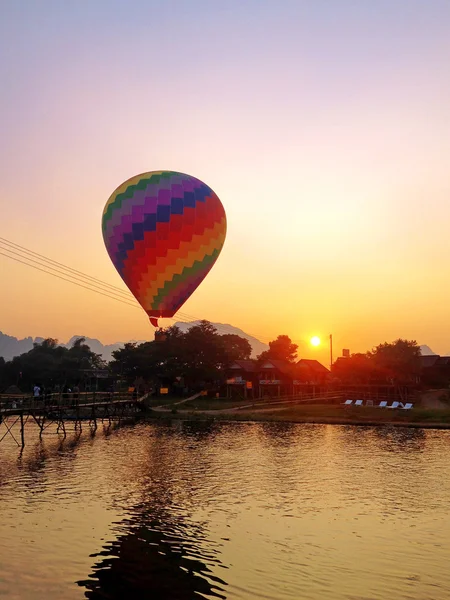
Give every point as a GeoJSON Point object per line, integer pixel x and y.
{"type": "Point", "coordinates": [59, 400]}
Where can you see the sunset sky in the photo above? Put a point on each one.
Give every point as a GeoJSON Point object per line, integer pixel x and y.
{"type": "Point", "coordinates": [322, 125]}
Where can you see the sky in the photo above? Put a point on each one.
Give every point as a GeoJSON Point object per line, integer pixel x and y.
{"type": "Point", "coordinates": [324, 128]}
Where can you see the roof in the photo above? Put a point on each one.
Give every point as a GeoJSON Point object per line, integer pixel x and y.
{"type": "Point", "coordinates": [428, 360]}
{"type": "Point", "coordinates": [442, 361]}
{"type": "Point", "coordinates": [282, 365]}
{"type": "Point", "coordinates": [245, 365]}
{"type": "Point", "coordinates": [312, 365]}
{"type": "Point", "coordinates": [13, 390]}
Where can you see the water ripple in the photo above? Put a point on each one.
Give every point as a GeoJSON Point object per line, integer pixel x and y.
{"type": "Point", "coordinates": [213, 510]}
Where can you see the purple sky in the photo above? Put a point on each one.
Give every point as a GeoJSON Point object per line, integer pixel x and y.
{"type": "Point", "coordinates": [323, 126]}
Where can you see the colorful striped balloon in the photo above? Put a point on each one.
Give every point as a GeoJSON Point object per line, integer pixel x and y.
{"type": "Point", "coordinates": [163, 232]}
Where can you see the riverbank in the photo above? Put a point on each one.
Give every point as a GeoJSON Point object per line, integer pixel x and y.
{"type": "Point", "coordinates": [319, 414]}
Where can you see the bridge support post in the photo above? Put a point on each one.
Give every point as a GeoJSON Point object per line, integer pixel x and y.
{"type": "Point", "coordinates": [78, 418]}
{"type": "Point", "coordinates": [93, 418]}
{"type": "Point", "coordinates": [22, 430]}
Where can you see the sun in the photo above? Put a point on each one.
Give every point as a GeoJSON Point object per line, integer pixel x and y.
{"type": "Point", "coordinates": [315, 341]}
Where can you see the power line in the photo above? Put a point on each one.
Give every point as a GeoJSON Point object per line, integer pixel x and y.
{"type": "Point", "coordinates": [69, 280]}
{"type": "Point", "coordinates": [223, 327]}
{"type": "Point", "coordinates": [67, 271]}
{"type": "Point", "coordinates": [89, 282]}
{"type": "Point", "coordinates": [57, 270]}
{"type": "Point", "coordinates": [65, 267]}
{"type": "Point", "coordinates": [73, 282]}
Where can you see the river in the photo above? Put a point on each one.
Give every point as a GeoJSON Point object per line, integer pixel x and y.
{"type": "Point", "coordinates": [227, 510]}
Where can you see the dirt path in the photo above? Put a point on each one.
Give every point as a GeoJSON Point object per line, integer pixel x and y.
{"type": "Point", "coordinates": [168, 408]}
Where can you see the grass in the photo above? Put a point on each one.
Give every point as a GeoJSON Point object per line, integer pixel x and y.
{"type": "Point", "coordinates": [362, 416]}
{"type": "Point", "coordinates": [162, 400]}
{"type": "Point", "coordinates": [205, 403]}
{"type": "Point", "coordinates": [321, 413]}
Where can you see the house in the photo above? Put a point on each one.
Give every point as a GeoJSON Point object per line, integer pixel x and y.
{"type": "Point", "coordinates": [435, 370]}
{"type": "Point", "coordinates": [428, 361]}
{"type": "Point", "coordinates": [242, 378]}
{"type": "Point", "coordinates": [275, 377]}
{"type": "Point", "coordinates": [310, 372]}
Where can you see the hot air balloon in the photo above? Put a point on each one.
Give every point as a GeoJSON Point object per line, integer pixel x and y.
{"type": "Point", "coordinates": [163, 231]}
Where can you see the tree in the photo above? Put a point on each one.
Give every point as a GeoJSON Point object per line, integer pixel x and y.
{"type": "Point", "coordinates": [398, 362]}
{"type": "Point", "coordinates": [198, 356]}
{"type": "Point", "coordinates": [48, 364]}
{"type": "Point", "coordinates": [358, 368]}
{"type": "Point", "coordinates": [280, 349]}
{"type": "Point", "coordinates": [236, 347]}
{"type": "Point", "coordinates": [205, 356]}
{"type": "Point", "coordinates": [2, 372]}
{"type": "Point", "coordinates": [131, 361]}
{"type": "Point", "coordinates": [77, 361]}
{"type": "Point", "coordinates": [38, 365]}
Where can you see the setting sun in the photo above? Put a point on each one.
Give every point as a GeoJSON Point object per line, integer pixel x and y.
{"type": "Point", "coordinates": [315, 341]}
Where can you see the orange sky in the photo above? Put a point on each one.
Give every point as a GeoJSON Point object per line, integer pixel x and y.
{"type": "Point", "coordinates": [324, 129]}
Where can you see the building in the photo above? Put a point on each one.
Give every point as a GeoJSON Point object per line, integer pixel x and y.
{"type": "Point", "coordinates": [435, 370]}
{"type": "Point", "coordinates": [242, 379]}
{"type": "Point", "coordinates": [311, 372]}
{"type": "Point", "coordinates": [275, 377]}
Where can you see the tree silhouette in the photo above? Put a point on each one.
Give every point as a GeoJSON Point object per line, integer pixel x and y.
{"type": "Point", "coordinates": [49, 364]}
{"type": "Point", "coordinates": [280, 349]}
{"type": "Point", "coordinates": [398, 362]}
{"type": "Point", "coordinates": [200, 355]}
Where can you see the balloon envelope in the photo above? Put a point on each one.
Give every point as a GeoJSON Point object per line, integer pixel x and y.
{"type": "Point", "coordinates": [163, 231]}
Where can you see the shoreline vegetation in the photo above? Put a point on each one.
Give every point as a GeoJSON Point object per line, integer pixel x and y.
{"type": "Point", "coordinates": [230, 385]}
{"type": "Point", "coordinates": [326, 414]}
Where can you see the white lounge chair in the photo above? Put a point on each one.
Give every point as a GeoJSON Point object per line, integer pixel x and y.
{"type": "Point", "coordinates": [359, 402]}
{"type": "Point", "coordinates": [347, 402]}
{"type": "Point", "coordinates": [407, 406]}
{"type": "Point", "coordinates": [394, 405]}
{"type": "Point", "coordinates": [383, 404]}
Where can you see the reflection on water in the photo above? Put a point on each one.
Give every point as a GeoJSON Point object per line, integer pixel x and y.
{"type": "Point", "coordinates": [154, 558]}
{"type": "Point", "coordinates": [214, 510]}
{"type": "Point", "coordinates": [158, 552]}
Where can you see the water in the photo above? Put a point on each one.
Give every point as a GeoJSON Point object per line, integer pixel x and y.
{"type": "Point", "coordinates": [238, 511]}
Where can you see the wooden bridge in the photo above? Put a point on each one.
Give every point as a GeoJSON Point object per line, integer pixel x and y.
{"type": "Point", "coordinates": [63, 410]}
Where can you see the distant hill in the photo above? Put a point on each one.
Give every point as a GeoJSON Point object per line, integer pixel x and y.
{"type": "Point", "coordinates": [427, 351]}
{"type": "Point", "coordinates": [223, 328]}
{"type": "Point", "coordinates": [97, 347]}
{"type": "Point", "coordinates": [11, 346]}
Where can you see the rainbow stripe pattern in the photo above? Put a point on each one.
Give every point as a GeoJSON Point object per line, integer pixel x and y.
{"type": "Point", "coordinates": [163, 231]}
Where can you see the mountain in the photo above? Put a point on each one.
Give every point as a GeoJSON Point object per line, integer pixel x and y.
{"type": "Point", "coordinates": [97, 347]}
{"type": "Point", "coordinates": [427, 351]}
{"type": "Point", "coordinates": [10, 346]}
{"type": "Point", "coordinates": [224, 328]}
